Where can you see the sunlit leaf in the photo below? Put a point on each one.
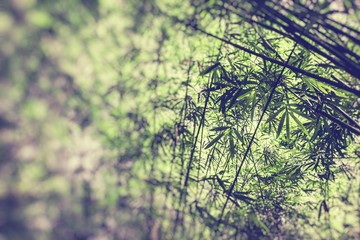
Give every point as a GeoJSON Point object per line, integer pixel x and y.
{"type": "Point", "coordinates": [300, 125]}
{"type": "Point", "coordinates": [275, 114]}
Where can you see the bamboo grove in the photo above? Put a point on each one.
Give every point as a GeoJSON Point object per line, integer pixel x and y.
{"type": "Point", "coordinates": [217, 119]}
{"type": "Point", "coordinates": [274, 117]}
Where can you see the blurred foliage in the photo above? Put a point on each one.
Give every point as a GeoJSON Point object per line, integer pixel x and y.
{"type": "Point", "coordinates": [156, 120]}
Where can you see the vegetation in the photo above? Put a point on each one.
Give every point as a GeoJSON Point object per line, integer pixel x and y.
{"type": "Point", "coordinates": [179, 119]}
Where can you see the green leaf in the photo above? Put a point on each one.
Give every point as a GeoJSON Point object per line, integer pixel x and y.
{"type": "Point", "coordinates": [221, 183]}
{"type": "Point", "coordinates": [263, 226]}
{"type": "Point", "coordinates": [326, 208]}
{"type": "Point", "coordinates": [253, 105]}
{"type": "Point", "coordinates": [309, 84]}
{"type": "Point", "coordinates": [226, 77]}
{"type": "Point", "coordinates": [241, 196]}
{"type": "Point", "coordinates": [220, 128]}
{"type": "Point", "coordinates": [232, 146]}
{"type": "Point", "coordinates": [260, 224]}
{"type": "Point", "coordinates": [281, 123]}
{"type": "Point", "coordinates": [235, 97]}
{"type": "Point", "coordinates": [319, 213]}
{"type": "Point", "coordinates": [308, 190]}
{"type": "Point", "coordinates": [209, 69]}
{"type": "Point", "coordinates": [294, 171]}
{"type": "Point", "coordinates": [245, 93]}
{"type": "Point", "coordinates": [243, 193]}
{"type": "Point", "coordinates": [214, 140]}
{"type": "Point", "coordinates": [275, 114]}
{"type": "Point", "coordinates": [300, 125]}
{"type": "Point", "coordinates": [238, 135]}
{"type": "Point", "coordinates": [230, 62]}
{"type": "Point", "coordinates": [316, 130]}
{"type": "Point", "coordinates": [287, 125]}
{"type": "Point", "coordinates": [301, 114]}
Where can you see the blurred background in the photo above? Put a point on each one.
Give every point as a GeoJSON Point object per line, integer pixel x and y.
{"type": "Point", "coordinates": [58, 180]}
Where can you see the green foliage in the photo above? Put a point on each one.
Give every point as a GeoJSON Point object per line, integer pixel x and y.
{"type": "Point", "coordinates": [180, 120]}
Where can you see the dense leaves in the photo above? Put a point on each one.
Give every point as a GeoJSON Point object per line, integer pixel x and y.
{"type": "Point", "coordinates": [214, 119]}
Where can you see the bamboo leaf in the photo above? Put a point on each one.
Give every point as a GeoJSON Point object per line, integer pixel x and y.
{"type": "Point", "coordinates": [238, 135]}
{"type": "Point", "coordinates": [230, 62]}
{"type": "Point", "coordinates": [281, 123]}
{"type": "Point", "coordinates": [240, 94]}
{"type": "Point", "coordinates": [275, 114]}
{"type": "Point", "coordinates": [259, 223]}
{"type": "Point", "coordinates": [242, 197]}
{"type": "Point", "coordinates": [319, 213]}
{"type": "Point", "coordinates": [225, 98]}
{"type": "Point", "coordinates": [301, 114]}
{"type": "Point", "coordinates": [232, 146]}
{"type": "Point", "coordinates": [214, 140]}
{"type": "Point", "coordinates": [236, 95]}
{"type": "Point", "coordinates": [226, 77]}
{"type": "Point", "coordinates": [308, 84]}
{"type": "Point", "coordinates": [300, 125]}
{"type": "Point", "coordinates": [245, 93]}
{"type": "Point", "coordinates": [253, 105]}
{"type": "Point", "coordinates": [243, 193]}
{"type": "Point", "coordinates": [209, 69]}
{"type": "Point", "coordinates": [220, 128]}
{"type": "Point", "coordinates": [287, 125]}
{"type": "Point", "coordinates": [326, 208]}
{"type": "Point", "coordinates": [221, 183]}
{"type": "Point", "coordinates": [316, 130]}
